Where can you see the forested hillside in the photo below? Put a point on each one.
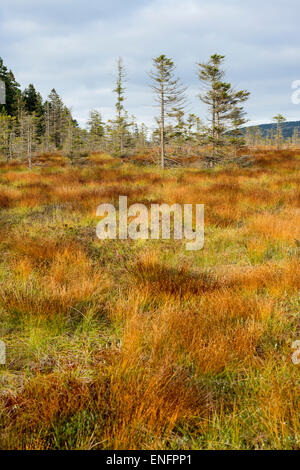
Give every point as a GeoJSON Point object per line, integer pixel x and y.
{"type": "Point", "coordinates": [288, 129]}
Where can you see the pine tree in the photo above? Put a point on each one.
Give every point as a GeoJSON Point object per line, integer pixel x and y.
{"type": "Point", "coordinates": [191, 126]}
{"type": "Point", "coordinates": [169, 92]}
{"type": "Point", "coordinates": [122, 123]}
{"type": "Point", "coordinates": [179, 131]}
{"type": "Point", "coordinates": [96, 130]}
{"type": "Point", "coordinates": [211, 76]}
{"type": "Point", "coordinates": [142, 135]}
{"type": "Point", "coordinates": [33, 102]}
{"type": "Point", "coordinates": [194, 131]}
{"type": "Point", "coordinates": [30, 125]}
{"type": "Point", "coordinates": [257, 136]}
{"type": "Point", "coordinates": [26, 140]}
{"type": "Point", "coordinates": [222, 100]}
{"type": "Point", "coordinates": [55, 118]}
{"type": "Point", "coordinates": [4, 134]}
{"type": "Point", "coordinates": [12, 90]}
{"type": "Point", "coordinates": [279, 119]}
{"type": "Point", "coordinates": [236, 134]}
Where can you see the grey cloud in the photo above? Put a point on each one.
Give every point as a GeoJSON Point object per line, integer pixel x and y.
{"type": "Point", "coordinates": [73, 45]}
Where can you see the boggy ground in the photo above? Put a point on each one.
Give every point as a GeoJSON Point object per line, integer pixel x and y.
{"type": "Point", "coordinates": [142, 344]}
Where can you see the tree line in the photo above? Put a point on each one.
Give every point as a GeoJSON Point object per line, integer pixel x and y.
{"type": "Point", "coordinates": [29, 124]}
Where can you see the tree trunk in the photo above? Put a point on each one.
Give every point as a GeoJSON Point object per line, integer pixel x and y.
{"type": "Point", "coordinates": [47, 140]}
{"type": "Point", "coordinates": [162, 125]}
{"type": "Point", "coordinates": [29, 148]}
{"type": "Point", "coordinates": [213, 135]}
{"type": "Point", "coordinates": [10, 147]}
{"type": "Point", "coordinates": [121, 142]}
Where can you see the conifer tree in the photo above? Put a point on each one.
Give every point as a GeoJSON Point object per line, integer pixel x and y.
{"type": "Point", "coordinates": [169, 92]}
{"type": "Point", "coordinates": [236, 134]}
{"type": "Point", "coordinates": [222, 100]}
{"type": "Point", "coordinates": [33, 104]}
{"type": "Point", "coordinates": [142, 133]}
{"type": "Point", "coordinates": [55, 118]}
{"type": "Point", "coordinates": [4, 134]}
{"type": "Point", "coordinates": [179, 130]}
{"type": "Point", "coordinates": [96, 129]}
{"type": "Point", "coordinates": [211, 76]}
{"type": "Point", "coordinates": [122, 123]}
{"type": "Point", "coordinates": [12, 90]}
{"type": "Point", "coordinates": [279, 119]}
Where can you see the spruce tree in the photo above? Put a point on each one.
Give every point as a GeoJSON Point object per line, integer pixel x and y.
{"type": "Point", "coordinates": [211, 75]}
{"type": "Point", "coordinates": [279, 119]}
{"type": "Point", "coordinates": [12, 90]}
{"type": "Point", "coordinates": [96, 129]}
{"type": "Point", "coordinates": [169, 92]}
{"type": "Point", "coordinates": [222, 101]}
{"type": "Point", "coordinates": [33, 104]}
{"type": "Point", "coordinates": [122, 123]}
{"type": "Point", "coordinates": [236, 134]}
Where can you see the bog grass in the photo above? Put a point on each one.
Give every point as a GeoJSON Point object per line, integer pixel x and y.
{"type": "Point", "coordinates": [142, 344]}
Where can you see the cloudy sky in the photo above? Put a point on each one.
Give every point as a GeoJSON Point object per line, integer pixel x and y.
{"type": "Point", "coordinates": [72, 46]}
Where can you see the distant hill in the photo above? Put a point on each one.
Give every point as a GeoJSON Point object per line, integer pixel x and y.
{"type": "Point", "coordinates": [287, 128]}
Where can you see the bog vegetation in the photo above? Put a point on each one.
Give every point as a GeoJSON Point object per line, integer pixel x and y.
{"type": "Point", "coordinates": [141, 344]}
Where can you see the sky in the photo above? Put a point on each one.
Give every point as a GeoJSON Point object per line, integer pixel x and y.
{"type": "Point", "coordinates": [73, 46]}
